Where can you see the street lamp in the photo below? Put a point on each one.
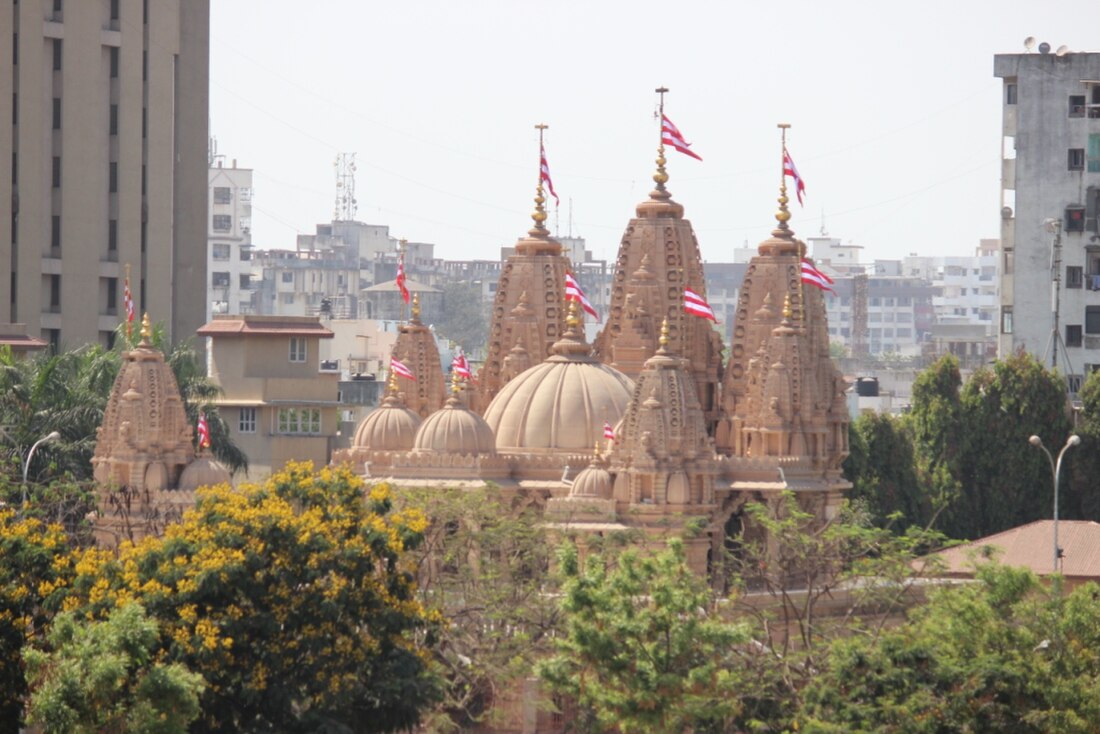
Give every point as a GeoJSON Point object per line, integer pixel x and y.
{"type": "Point", "coordinates": [1056, 470]}
{"type": "Point", "coordinates": [51, 436]}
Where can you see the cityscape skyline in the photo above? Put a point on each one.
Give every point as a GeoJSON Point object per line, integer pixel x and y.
{"type": "Point", "coordinates": [443, 123]}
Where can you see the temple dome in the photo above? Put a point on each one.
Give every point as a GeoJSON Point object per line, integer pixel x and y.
{"type": "Point", "coordinates": [560, 404]}
{"type": "Point", "coordinates": [204, 471]}
{"type": "Point", "coordinates": [454, 429]}
{"type": "Point", "coordinates": [594, 482]}
{"type": "Point", "coordinates": [392, 427]}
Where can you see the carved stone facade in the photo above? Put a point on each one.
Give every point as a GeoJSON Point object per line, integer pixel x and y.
{"type": "Point", "coordinates": [658, 258]}
{"type": "Point", "coordinates": [415, 348]}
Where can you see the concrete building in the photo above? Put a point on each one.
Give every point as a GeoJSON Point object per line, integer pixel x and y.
{"type": "Point", "coordinates": [1050, 190]}
{"type": "Point", "coordinates": [279, 401]}
{"type": "Point", "coordinates": [229, 237]}
{"type": "Point", "coordinates": [108, 150]}
{"type": "Point", "coordinates": [304, 283]}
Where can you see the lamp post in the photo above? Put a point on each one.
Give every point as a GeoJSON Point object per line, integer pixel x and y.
{"type": "Point", "coordinates": [51, 436]}
{"type": "Point", "coordinates": [1056, 470]}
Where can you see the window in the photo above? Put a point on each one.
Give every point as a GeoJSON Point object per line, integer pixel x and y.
{"type": "Point", "coordinates": [1010, 93]}
{"type": "Point", "coordinates": [219, 280]}
{"type": "Point", "coordinates": [114, 9]}
{"type": "Point", "coordinates": [876, 301]}
{"type": "Point", "coordinates": [56, 113]}
{"type": "Point", "coordinates": [55, 231]}
{"type": "Point", "coordinates": [246, 254]}
{"type": "Point", "coordinates": [223, 223]}
{"type": "Point", "coordinates": [55, 293]}
{"type": "Point", "coordinates": [302, 421]}
{"type": "Point", "coordinates": [1092, 319]}
{"type": "Point", "coordinates": [57, 54]}
{"type": "Point", "coordinates": [112, 235]}
{"type": "Point", "coordinates": [905, 333]}
{"type": "Point", "coordinates": [220, 252]}
{"type": "Point", "coordinates": [1006, 319]}
{"type": "Point", "coordinates": [1093, 159]}
{"type": "Point", "coordinates": [1076, 159]}
{"type": "Point", "coordinates": [288, 277]}
{"type": "Point", "coordinates": [1073, 335]}
{"type": "Point", "coordinates": [247, 422]}
{"type": "Point", "coordinates": [112, 121]}
{"type": "Point", "coordinates": [223, 195]}
{"type": "Point", "coordinates": [1074, 276]}
{"type": "Point", "coordinates": [245, 280]}
{"type": "Point", "coordinates": [112, 177]}
{"type": "Point", "coordinates": [57, 171]}
{"type": "Point", "coordinates": [297, 349]}
{"type": "Point", "coordinates": [1077, 105]}
{"type": "Point", "coordinates": [1075, 219]}
{"type": "Point", "coordinates": [112, 296]}
{"type": "Point", "coordinates": [113, 52]}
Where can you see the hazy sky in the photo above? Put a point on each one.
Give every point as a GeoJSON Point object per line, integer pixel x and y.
{"type": "Point", "coordinates": [894, 110]}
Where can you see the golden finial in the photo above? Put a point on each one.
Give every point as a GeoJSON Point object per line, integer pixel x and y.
{"type": "Point", "coordinates": [783, 215]}
{"type": "Point", "coordinates": [661, 177]}
{"type": "Point", "coordinates": [787, 313]}
{"type": "Point", "coordinates": [663, 340]}
{"type": "Point", "coordinates": [416, 307]}
{"type": "Point", "coordinates": [392, 386]}
{"type": "Point", "coordinates": [539, 215]}
{"type": "Point", "coordinates": [456, 383]}
{"type": "Point", "coordinates": [572, 318]}
{"type": "Point", "coordinates": [146, 330]}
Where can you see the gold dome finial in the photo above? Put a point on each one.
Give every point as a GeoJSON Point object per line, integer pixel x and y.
{"type": "Point", "coordinates": [456, 383]}
{"type": "Point", "coordinates": [391, 384]}
{"type": "Point", "coordinates": [146, 330]}
{"type": "Point", "coordinates": [783, 215]}
{"type": "Point", "coordinates": [572, 317]}
{"type": "Point", "coordinates": [539, 215]}
{"type": "Point", "coordinates": [416, 308]}
{"type": "Point", "coordinates": [661, 176]}
{"type": "Point", "coordinates": [663, 340]}
{"type": "Point", "coordinates": [787, 313]}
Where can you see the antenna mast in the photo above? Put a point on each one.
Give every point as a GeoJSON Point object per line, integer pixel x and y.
{"type": "Point", "coordinates": [346, 203]}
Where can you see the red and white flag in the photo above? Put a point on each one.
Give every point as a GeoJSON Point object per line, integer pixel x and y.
{"type": "Point", "coordinates": [401, 278]}
{"type": "Point", "coordinates": [398, 368]}
{"type": "Point", "coordinates": [608, 431]}
{"type": "Point", "coordinates": [573, 292]}
{"type": "Point", "coordinates": [696, 305]}
{"type": "Point", "coordinates": [128, 304]}
{"type": "Point", "coordinates": [544, 174]}
{"type": "Point", "coordinates": [790, 170]}
{"type": "Point", "coordinates": [461, 367]}
{"type": "Point", "coordinates": [815, 277]}
{"type": "Point", "coordinates": [204, 432]}
{"type": "Point", "coordinates": [670, 135]}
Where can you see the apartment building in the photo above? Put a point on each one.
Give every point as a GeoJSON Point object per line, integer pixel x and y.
{"type": "Point", "coordinates": [108, 103]}
{"type": "Point", "coordinates": [229, 238]}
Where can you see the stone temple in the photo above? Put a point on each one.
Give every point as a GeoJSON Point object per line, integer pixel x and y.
{"type": "Point", "coordinates": [694, 439]}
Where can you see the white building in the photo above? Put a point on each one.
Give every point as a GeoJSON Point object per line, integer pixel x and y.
{"type": "Point", "coordinates": [229, 241]}
{"type": "Point", "coordinates": [1051, 191]}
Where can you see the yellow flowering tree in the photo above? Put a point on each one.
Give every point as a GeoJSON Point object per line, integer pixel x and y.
{"type": "Point", "coordinates": [35, 565]}
{"type": "Point", "coordinates": [290, 599]}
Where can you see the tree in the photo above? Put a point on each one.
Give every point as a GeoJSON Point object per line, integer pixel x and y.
{"type": "Point", "coordinates": [645, 649]}
{"type": "Point", "coordinates": [464, 317]}
{"type": "Point", "coordinates": [101, 677]}
{"type": "Point", "coordinates": [35, 566]}
{"type": "Point", "coordinates": [1081, 499]}
{"type": "Point", "coordinates": [882, 469]}
{"type": "Point", "coordinates": [1006, 654]}
{"type": "Point", "coordinates": [291, 599]}
{"type": "Point", "coordinates": [483, 566]}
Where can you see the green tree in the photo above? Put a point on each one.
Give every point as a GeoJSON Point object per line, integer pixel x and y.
{"type": "Point", "coordinates": [1006, 654]}
{"type": "Point", "coordinates": [35, 566]}
{"type": "Point", "coordinates": [464, 319]}
{"type": "Point", "coordinates": [883, 472]}
{"type": "Point", "coordinates": [291, 599]}
{"type": "Point", "coordinates": [483, 566]}
{"type": "Point", "coordinates": [1082, 501]}
{"type": "Point", "coordinates": [645, 649]}
{"type": "Point", "coordinates": [101, 677]}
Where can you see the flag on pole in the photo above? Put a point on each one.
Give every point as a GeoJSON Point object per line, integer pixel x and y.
{"type": "Point", "coordinates": [573, 292]}
{"type": "Point", "coordinates": [461, 367]}
{"type": "Point", "coordinates": [128, 303]}
{"type": "Point", "coordinates": [401, 278]}
{"type": "Point", "coordinates": [815, 277]}
{"type": "Point", "coordinates": [204, 432]}
{"type": "Point", "coordinates": [398, 368]}
{"type": "Point", "coordinates": [544, 174]}
{"type": "Point", "coordinates": [670, 135]}
{"type": "Point", "coordinates": [696, 305]}
{"type": "Point", "coordinates": [608, 431]}
{"type": "Point", "coordinates": [790, 170]}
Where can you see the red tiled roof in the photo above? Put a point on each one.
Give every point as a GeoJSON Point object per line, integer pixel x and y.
{"type": "Point", "coordinates": [265, 326]}
{"type": "Point", "coordinates": [1032, 546]}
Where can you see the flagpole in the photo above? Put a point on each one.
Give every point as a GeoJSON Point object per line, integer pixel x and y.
{"type": "Point", "coordinates": [404, 306]}
{"type": "Point", "coordinates": [661, 177]}
{"type": "Point", "coordinates": [783, 127]}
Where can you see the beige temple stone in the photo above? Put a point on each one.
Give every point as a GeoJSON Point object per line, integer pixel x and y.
{"type": "Point", "coordinates": [415, 348]}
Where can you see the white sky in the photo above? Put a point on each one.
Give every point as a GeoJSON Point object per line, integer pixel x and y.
{"type": "Point", "coordinates": [894, 110]}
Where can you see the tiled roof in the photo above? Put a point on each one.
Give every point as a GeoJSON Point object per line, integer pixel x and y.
{"type": "Point", "coordinates": [1032, 546]}
{"type": "Point", "coordinates": [265, 326]}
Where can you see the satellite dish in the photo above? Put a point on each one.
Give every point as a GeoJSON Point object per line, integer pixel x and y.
{"type": "Point", "coordinates": [1062, 50]}
{"type": "Point", "coordinates": [1044, 48]}
{"type": "Point", "coordinates": [1029, 43]}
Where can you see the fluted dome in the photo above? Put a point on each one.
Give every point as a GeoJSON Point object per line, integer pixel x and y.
{"type": "Point", "coordinates": [560, 405]}
{"type": "Point", "coordinates": [204, 471]}
{"type": "Point", "coordinates": [594, 482]}
{"type": "Point", "coordinates": [392, 427]}
{"type": "Point", "coordinates": [454, 429]}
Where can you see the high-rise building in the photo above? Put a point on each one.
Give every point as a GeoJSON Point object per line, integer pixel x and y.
{"type": "Point", "coordinates": [108, 104]}
{"type": "Point", "coordinates": [1050, 201]}
{"type": "Point", "coordinates": [229, 288]}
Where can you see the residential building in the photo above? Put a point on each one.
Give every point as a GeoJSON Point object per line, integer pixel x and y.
{"type": "Point", "coordinates": [1050, 200]}
{"type": "Point", "coordinates": [280, 402]}
{"type": "Point", "coordinates": [305, 283]}
{"type": "Point", "coordinates": [229, 238]}
{"type": "Point", "coordinates": [108, 149]}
